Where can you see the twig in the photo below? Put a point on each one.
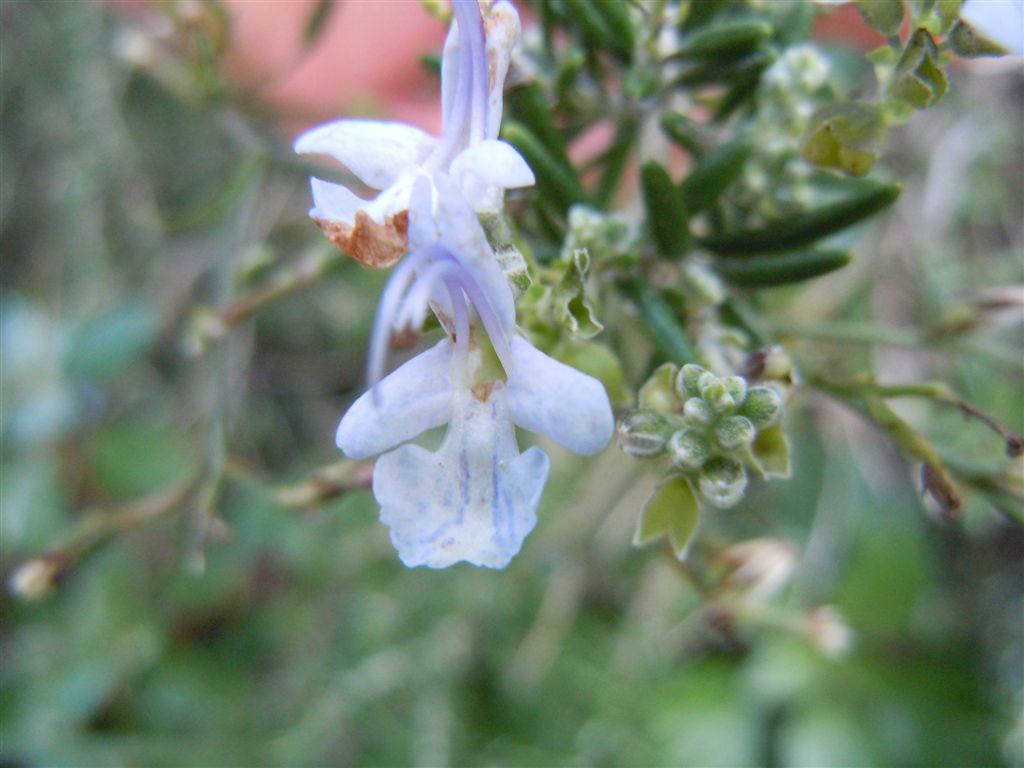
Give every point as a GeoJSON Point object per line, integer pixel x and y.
{"type": "Point", "coordinates": [937, 391]}
{"type": "Point", "coordinates": [216, 326]}
{"type": "Point", "coordinates": [35, 578]}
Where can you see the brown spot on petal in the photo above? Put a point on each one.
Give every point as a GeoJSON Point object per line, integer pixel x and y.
{"type": "Point", "coordinates": [483, 391]}
{"type": "Point", "coordinates": [368, 242]}
{"type": "Point", "coordinates": [500, 30]}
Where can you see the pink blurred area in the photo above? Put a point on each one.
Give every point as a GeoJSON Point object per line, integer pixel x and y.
{"type": "Point", "coordinates": [364, 63]}
{"type": "Point", "coordinates": [366, 60]}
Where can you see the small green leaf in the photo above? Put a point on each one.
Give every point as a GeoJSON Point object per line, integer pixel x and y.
{"type": "Point", "coordinates": [947, 12]}
{"type": "Point", "coordinates": [658, 392]}
{"type": "Point", "coordinates": [969, 43]}
{"type": "Point", "coordinates": [569, 301]}
{"type": "Point", "coordinates": [919, 79]}
{"type": "Point", "coordinates": [770, 453]}
{"type": "Point", "coordinates": [845, 136]}
{"type": "Point", "coordinates": [672, 510]}
{"type": "Point", "coordinates": [885, 16]}
{"type": "Point", "coordinates": [667, 217]}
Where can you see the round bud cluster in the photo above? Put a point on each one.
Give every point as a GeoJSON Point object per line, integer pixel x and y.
{"type": "Point", "coordinates": [722, 418]}
{"type": "Point", "coordinates": [705, 423]}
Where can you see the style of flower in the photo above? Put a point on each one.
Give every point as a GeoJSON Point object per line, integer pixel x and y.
{"type": "Point", "coordinates": [389, 156]}
{"type": "Point", "coordinates": [474, 499]}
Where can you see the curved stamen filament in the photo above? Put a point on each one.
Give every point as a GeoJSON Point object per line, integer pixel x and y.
{"type": "Point", "coordinates": [413, 312]}
{"type": "Point", "coordinates": [390, 301]}
{"type": "Point", "coordinates": [407, 297]}
{"type": "Point", "coordinates": [461, 312]}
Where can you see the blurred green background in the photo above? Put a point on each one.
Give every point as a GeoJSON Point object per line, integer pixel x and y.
{"type": "Point", "coordinates": [228, 622]}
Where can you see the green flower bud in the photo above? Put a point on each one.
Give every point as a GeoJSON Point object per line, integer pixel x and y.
{"type": "Point", "coordinates": [736, 386]}
{"type": "Point", "coordinates": [689, 448]}
{"type": "Point", "coordinates": [734, 432]}
{"type": "Point", "coordinates": [686, 380]}
{"type": "Point", "coordinates": [762, 406]}
{"type": "Point", "coordinates": [715, 394]}
{"type": "Point", "coordinates": [697, 413]}
{"type": "Point", "coordinates": [643, 433]}
{"type": "Point", "coordinates": [722, 482]}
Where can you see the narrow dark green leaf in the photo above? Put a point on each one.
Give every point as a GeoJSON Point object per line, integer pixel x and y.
{"type": "Point", "coordinates": [616, 18]}
{"type": "Point", "coordinates": [555, 181]}
{"type": "Point", "coordinates": [614, 161]}
{"type": "Point", "coordinates": [781, 269]}
{"type": "Point", "coordinates": [739, 95]}
{"type": "Point", "coordinates": [809, 226]}
{"type": "Point", "coordinates": [660, 322]}
{"type": "Point", "coordinates": [667, 217]}
{"type": "Point", "coordinates": [684, 132]}
{"type": "Point", "coordinates": [713, 174]}
{"type": "Point", "coordinates": [700, 12]}
{"type": "Point", "coordinates": [730, 40]}
{"type": "Point", "coordinates": [704, 72]}
{"type": "Point", "coordinates": [528, 104]}
{"type": "Point", "coordinates": [590, 22]}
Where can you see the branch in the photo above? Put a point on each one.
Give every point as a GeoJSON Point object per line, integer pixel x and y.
{"type": "Point", "coordinates": [37, 577]}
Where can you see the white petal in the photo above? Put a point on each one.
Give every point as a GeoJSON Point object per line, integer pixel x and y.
{"type": "Point", "coordinates": [549, 397]}
{"type": "Point", "coordinates": [409, 401]}
{"type": "Point", "coordinates": [1002, 21]}
{"type": "Point", "coordinates": [422, 224]}
{"type": "Point", "coordinates": [502, 26]}
{"type": "Point", "coordinates": [334, 202]}
{"type": "Point", "coordinates": [377, 152]}
{"type": "Point", "coordinates": [391, 201]}
{"type": "Point", "coordinates": [494, 162]}
{"type": "Point", "coordinates": [462, 234]}
{"type": "Point", "coordinates": [474, 500]}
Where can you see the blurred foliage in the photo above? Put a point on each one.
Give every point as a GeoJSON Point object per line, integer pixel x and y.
{"type": "Point", "coordinates": [178, 344]}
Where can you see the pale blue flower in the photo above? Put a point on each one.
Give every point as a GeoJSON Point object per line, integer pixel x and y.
{"type": "Point", "coordinates": [474, 499]}
{"type": "Point", "coordinates": [389, 156]}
